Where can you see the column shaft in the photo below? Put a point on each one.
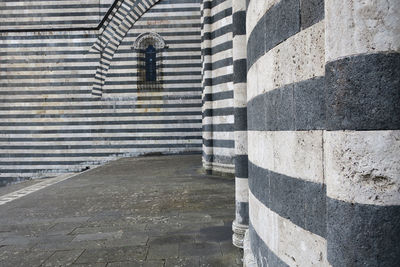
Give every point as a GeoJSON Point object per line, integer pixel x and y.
{"type": "Point", "coordinates": [241, 222]}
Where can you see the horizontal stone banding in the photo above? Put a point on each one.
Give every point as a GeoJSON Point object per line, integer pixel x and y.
{"type": "Point", "coordinates": [298, 200]}
{"type": "Point", "coordinates": [333, 102]}
{"type": "Point", "coordinates": [280, 22]}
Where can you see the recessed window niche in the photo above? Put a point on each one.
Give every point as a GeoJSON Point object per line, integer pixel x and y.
{"type": "Point", "coordinates": [149, 48]}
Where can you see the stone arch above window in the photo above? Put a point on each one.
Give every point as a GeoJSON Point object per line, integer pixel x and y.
{"type": "Point", "coordinates": [149, 49]}
{"type": "Point", "coordinates": [149, 38]}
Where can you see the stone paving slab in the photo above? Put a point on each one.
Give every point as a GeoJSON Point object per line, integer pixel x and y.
{"type": "Point", "coordinates": [149, 211]}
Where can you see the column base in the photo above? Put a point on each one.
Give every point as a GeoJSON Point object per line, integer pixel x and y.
{"type": "Point", "coordinates": [238, 234]}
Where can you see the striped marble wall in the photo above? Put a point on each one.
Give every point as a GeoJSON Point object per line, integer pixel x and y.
{"type": "Point", "coordinates": [55, 14]}
{"type": "Point", "coordinates": [50, 121]}
{"type": "Point", "coordinates": [323, 132]}
{"type": "Point", "coordinates": [218, 107]}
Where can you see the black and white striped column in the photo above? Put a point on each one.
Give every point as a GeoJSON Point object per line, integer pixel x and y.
{"type": "Point", "coordinates": [362, 141]}
{"type": "Point", "coordinates": [217, 69]}
{"type": "Point", "coordinates": [206, 76]}
{"type": "Point", "coordinates": [285, 112]}
{"type": "Point", "coordinates": [241, 222]}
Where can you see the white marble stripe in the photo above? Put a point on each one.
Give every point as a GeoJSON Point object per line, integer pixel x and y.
{"type": "Point", "coordinates": [239, 47]}
{"type": "Point", "coordinates": [299, 58]}
{"type": "Point", "coordinates": [240, 99]}
{"type": "Point", "coordinates": [363, 166]}
{"type": "Point", "coordinates": [241, 147]}
{"type": "Point", "coordinates": [373, 33]}
{"type": "Point", "coordinates": [241, 189]}
{"type": "Point", "coordinates": [297, 154]}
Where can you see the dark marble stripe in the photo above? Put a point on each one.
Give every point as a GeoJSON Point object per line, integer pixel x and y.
{"type": "Point", "coordinates": [219, 143]}
{"type": "Point", "coordinates": [358, 93]}
{"type": "Point", "coordinates": [105, 106]}
{"type": "Point", "coordinates": [47, 44]}
{"type": "Point", "coordinates": [217, 64]}
{"type": "Point", "coordinates": [55, 14]}
{"type": "Point", "coordinates": [85, 92]}
{"type": "Point", "coordinates": [172, 18]}
{"type": "Point", "coordinates": [302, 202]}
{"type": "Point", "coordinates": [239, 23]}
{"type": "Point", "coordinates": [219, 16]}
{"type": "Point", "coordinates": [298, 106]}
{"type": "Point", "coordinates": [218, 80]}
{"type": "Point", "coordinates": [261, 252]}
{"type": "Point", "coordinates": [177, 81]}
{"type": "Point", "coordinates": [212, 3]}
{"type": "Point", "coordinates": [312, 11]}
{"type": "Point", "coordinates": [217, 96]}
{"type": "Point", "coordinates": [217, 33]}
{"type": "Point", "coordinates": [362, 235]}
{"type": "Point", "coordinates": [363, 92]}
{"type": "Point", "coordinates": [94, 138]}
{"type": "Point", "coordinates": [54, 7]}
{"type": "Point", "coordinates": [89, 99]}
{"type": "Point", "coordinates": [241, 119]}
{"type": "Point", "coordinates": [216, 49]}
{"type": "Point", "coordinates": [218, 112]}
{"type": "Point", "coordinates": [218, 158]}
{"type": "Point", "coordinates": [89, 60]}
{"type": "Point", "coordinates": [96, 123]}
{"type": "Point", "coordinates": [122, 146]}
{"type": "Point", "coordinates": [241, 166]}
{"type": "Point", "coordinates": [99, 115]}
{"type": "Point", "coordinates": [93, 131]}
{"type": "Point", "coordinates": [168, 2]}
{"type": "Point", "coordinates": [169, 26]}
{"type": "Point", "coordinates": [44, 163]}
{"type": "Point", "coordinates": [60, 22]}
{"type": "Point", "coordinates": [239, 71]}
{"type": "Point", "coordinates": [87, 155]}
{"type": "Point", "coordinates": [90, 75]}
{"type": "Point", "coordinates": [226, 127]}
{"type": "Point", "coordinates": [55, 36]}
{"type": "Point", "coordinates": [242, 212]}
{"type": "Point", "coordinates": [158, 8]}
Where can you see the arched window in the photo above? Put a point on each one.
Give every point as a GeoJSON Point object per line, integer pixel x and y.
{"type": "Point", "coordinates": [149, 48]}
{"type": "Point", "coordinates": [150, 64]}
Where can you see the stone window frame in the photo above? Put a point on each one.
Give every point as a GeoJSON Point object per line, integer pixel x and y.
{"type": "Point", "coordinates": [140, 44]}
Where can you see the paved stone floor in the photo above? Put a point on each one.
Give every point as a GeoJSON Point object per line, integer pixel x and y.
{"type": "Point", "coordinates": [150, 211]}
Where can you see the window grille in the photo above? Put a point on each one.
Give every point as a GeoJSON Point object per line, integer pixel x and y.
{"type": "Point", "coordinates": [149, 48]}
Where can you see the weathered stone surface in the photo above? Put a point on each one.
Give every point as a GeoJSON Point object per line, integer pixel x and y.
{"type": "Point", "coordinates": [364, 27]}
